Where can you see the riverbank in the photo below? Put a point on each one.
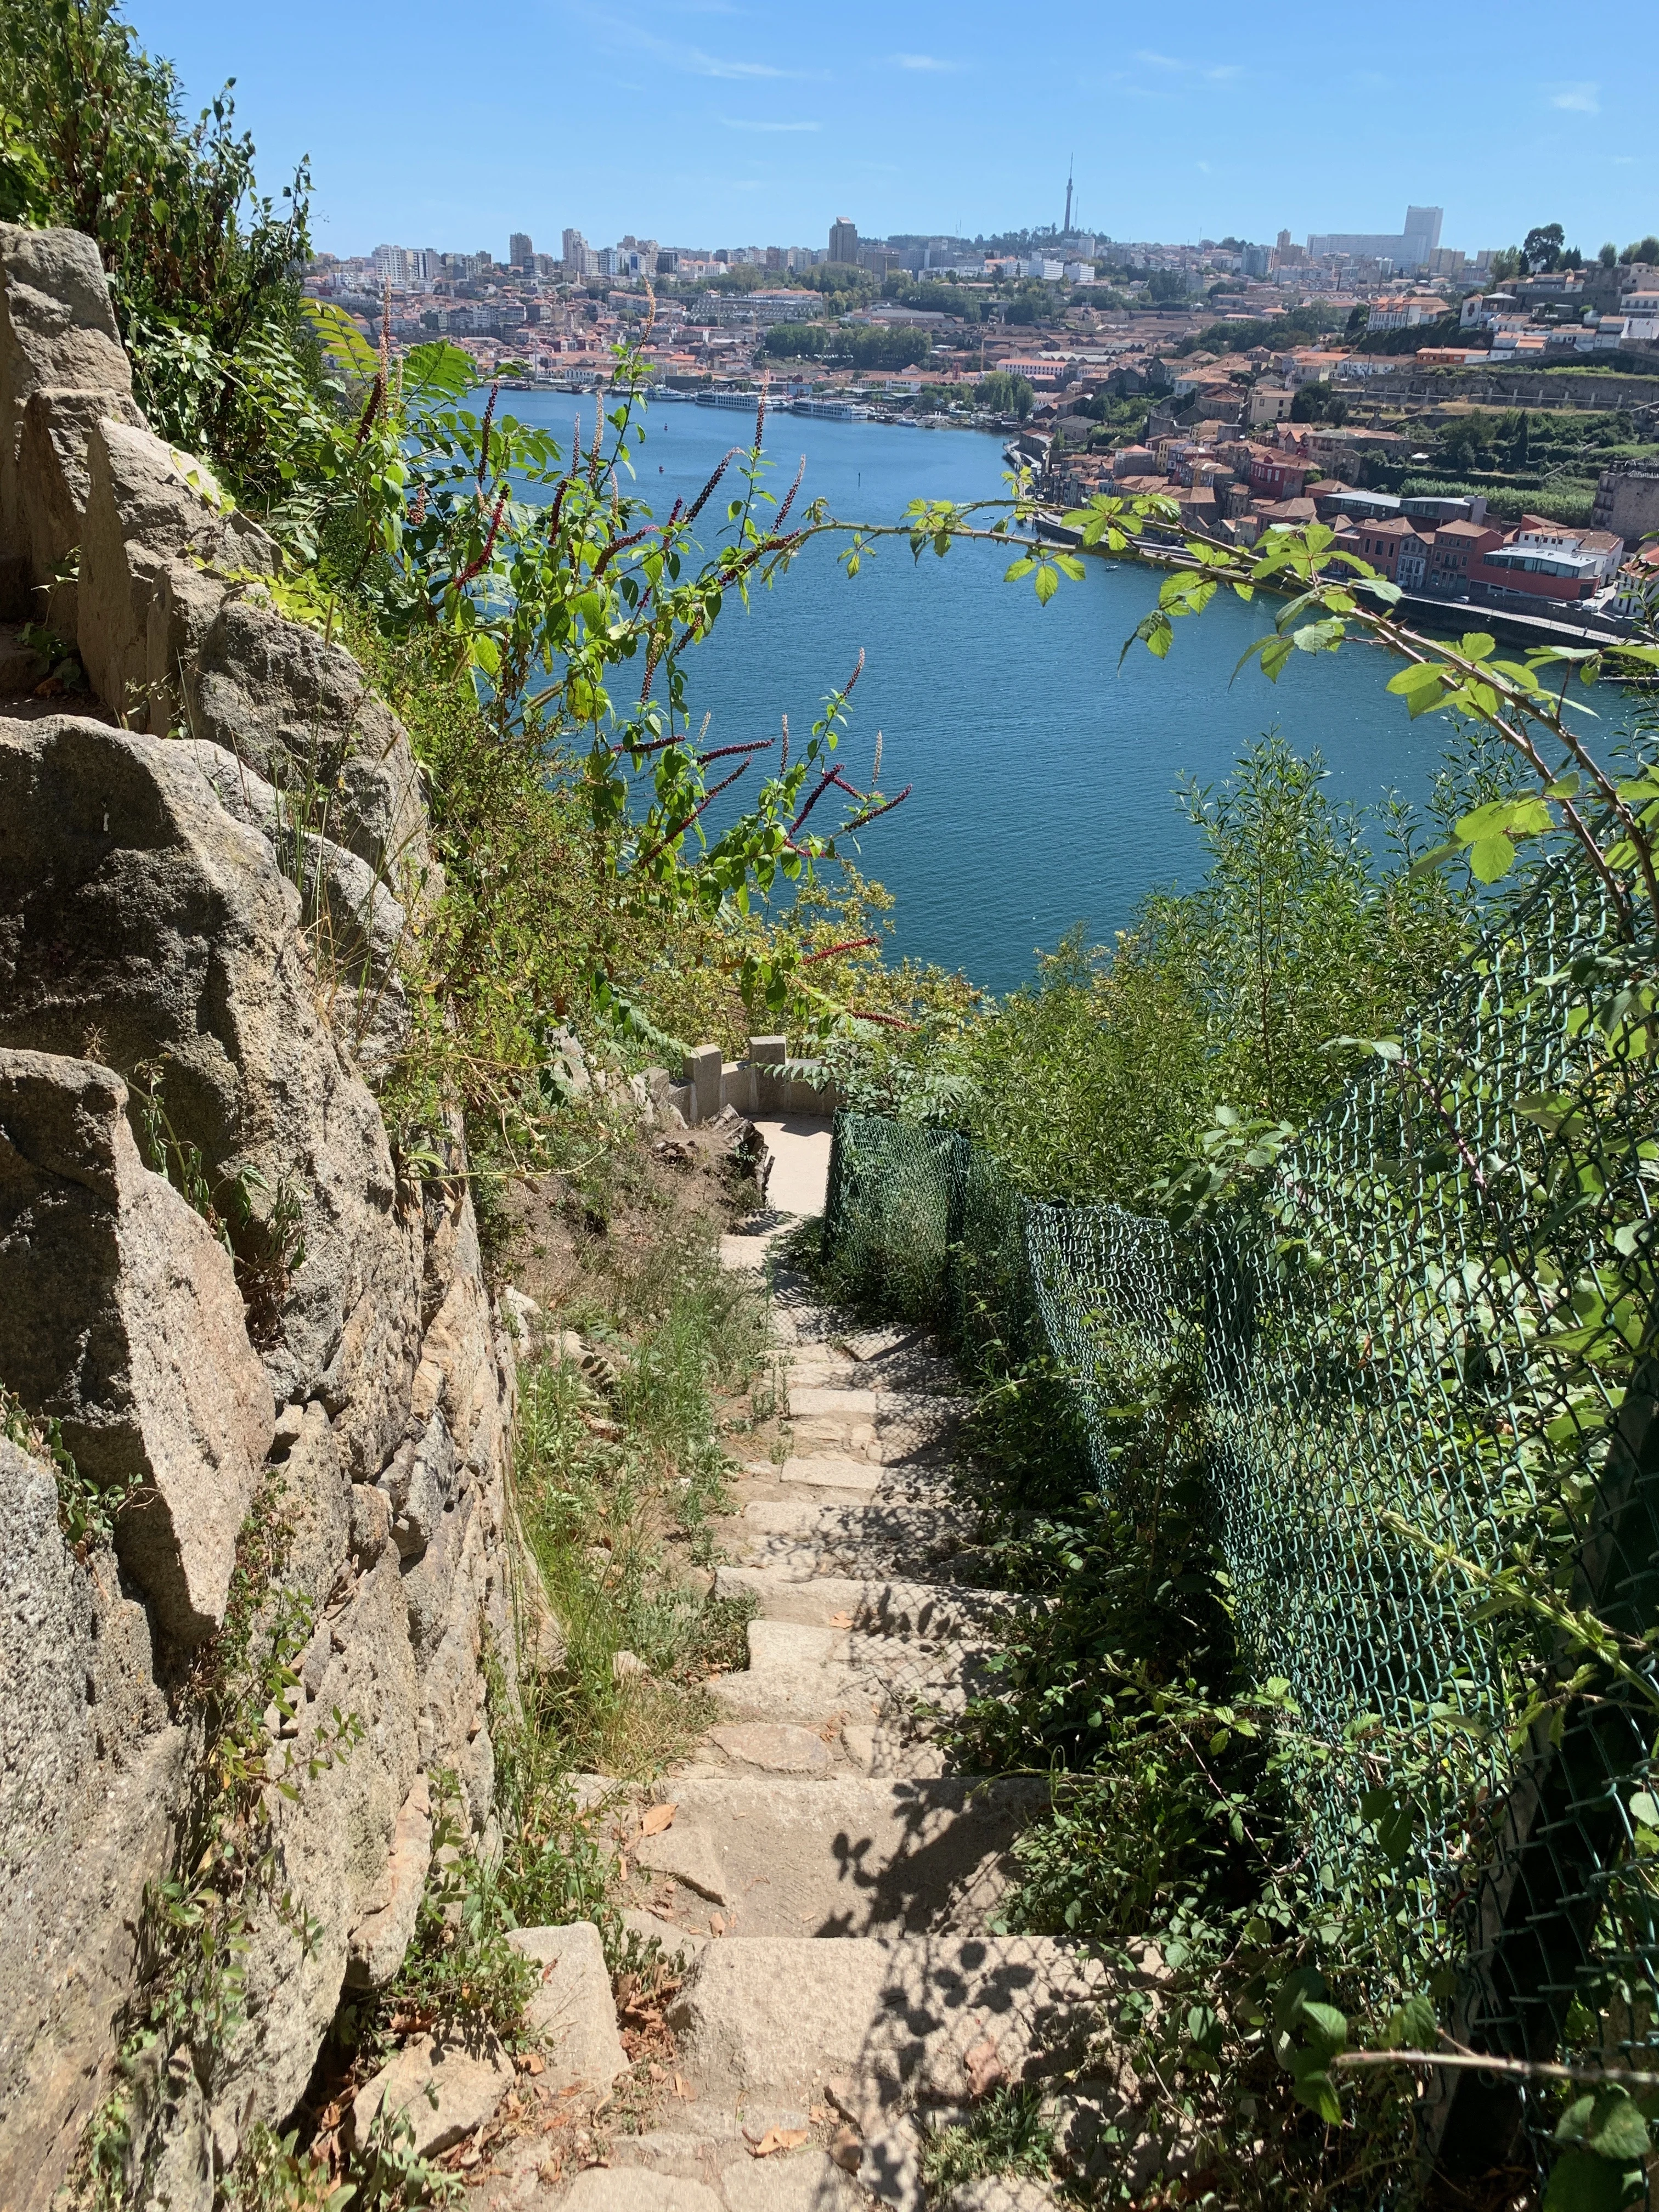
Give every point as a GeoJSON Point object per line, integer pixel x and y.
{"type": "Point", "coordinates": [1449, 618]}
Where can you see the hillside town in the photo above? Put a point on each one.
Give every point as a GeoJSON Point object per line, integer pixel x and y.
{"type": "Point", "coordinates": [1482, 426]}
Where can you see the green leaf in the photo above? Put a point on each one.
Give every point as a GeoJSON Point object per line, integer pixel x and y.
{"type": "Point", "coordinates": [1613, 2127]}
{"type": "Point", "coordinates": [438, 371]}
{"type": "Point", "coordinates": [1015, 569]}
{"type": "Point", "coordinates": [1426, 863]}
{"type": "Point", "coordinates": [1275, 652]}
{"type": "Point", "coordinates": [1476, 646]}
{"type": "Point", "coordinates": [1413, 2026]}
{"type": "Point", "coordinates": [1327, 2028]}
{"type": "Point", "coordinates": [1318, 2092]}
{"type": "Point", "coordinates": [1321, 636]}
{"type": "Point", "coordinates": [1580, 2182]}
{"type": "Point", "coordinates": [1491, 858]}
{"type": "Point", "coordinates": [1421, 676]}
{"type": "Point", "coordinates": [1047, 583]}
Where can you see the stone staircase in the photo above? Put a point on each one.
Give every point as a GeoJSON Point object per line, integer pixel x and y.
{"type": "Point", "coordinates": [828, 1884]}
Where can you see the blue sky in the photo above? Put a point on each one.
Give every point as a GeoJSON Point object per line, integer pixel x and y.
{"type": "Point", "coordinates": [715, 122]}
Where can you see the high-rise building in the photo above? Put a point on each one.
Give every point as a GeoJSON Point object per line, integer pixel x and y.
{"type": "Point", "coordinates": [1407, 249]}
{"type": "Point", "coordinates": [578, 255]}
{"type": "Point", "coordinates": [520, 254]}
{"type": "Point", "coordinates": [844, 240]}
{"type": "Point", "coordinates": [1422, 233]}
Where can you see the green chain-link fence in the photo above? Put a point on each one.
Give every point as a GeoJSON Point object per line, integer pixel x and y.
{"type": "Point", "coordinates": [1425, 1358]}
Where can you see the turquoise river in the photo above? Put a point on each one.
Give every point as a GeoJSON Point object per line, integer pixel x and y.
{"type": "Point", "coordinates": [1043, 777]}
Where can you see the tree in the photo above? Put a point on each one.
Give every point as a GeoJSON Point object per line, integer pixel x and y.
{"type": "Point", "coordinates": [1542, 247]}
{"type": "Point", "coordinates": [1005, 393]}
{"type": "Point", "coordinates": [1357, 319]}
{"type": "Point", "coordinates": [1646, 249]}
{"type": "Point", "coordinates": [1166, 285]}
{"type": "Point", "coordinates": [1521, 443]}
{"type": "Point", "coordinates": [200, 263]}
{"type": "Point", "coordinates": [1608, 256]}
{"type": "Point", "coordinates": [1511, 262]}
{"type": "Point", "coordinates": [1317, 403]}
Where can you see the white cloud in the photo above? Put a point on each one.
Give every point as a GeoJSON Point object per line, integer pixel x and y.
{"type": "Point", "coordinates": [1161, 61]}
{"type": "Point", "coordinates": [924, 62]}
{"type": "Point", "coordinates": [738, 122]}
{"type": "Point", "coordinates": [690, 61]}
{"type": "Point", "coordinates": [1581, 99]}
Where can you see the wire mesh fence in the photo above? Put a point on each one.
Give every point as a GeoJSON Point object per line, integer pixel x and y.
{"type": "Point", "coordinates": [1428, 1422]}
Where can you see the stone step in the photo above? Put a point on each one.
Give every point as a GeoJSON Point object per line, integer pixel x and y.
{"type": "Point", "coordinates": [909, 1369]}
{"type": "Point", "coordinates": [876, 1606]}
{"type": "Point", "coordinates": [843, 1856]}
{"type": "Point", "coordinates": [694, 2157]}
{"type": "Point", "coordinates": [885, 1536]}
{"type": "Point", "coordinates": [918, 2016]}
{"type": "Point", "coordinates": [834, 1678]}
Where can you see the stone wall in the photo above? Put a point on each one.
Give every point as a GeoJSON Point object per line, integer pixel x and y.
{"type": "Point", "coordinates": [207, 880]}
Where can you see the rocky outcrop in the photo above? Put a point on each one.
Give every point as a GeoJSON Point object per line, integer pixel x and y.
{"type": "Point", "coordinates": [149, 513]}
{"type": "Point", "coordinates": [57, 334]}
{"type": "Point", "coordinates": [204, 915]}
{"type": "Point", "coordinates": [92, 1774]}
{"type": "Point", "coordinates": [123, 1321]}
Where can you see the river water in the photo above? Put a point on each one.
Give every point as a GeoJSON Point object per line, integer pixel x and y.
{"type": "Point", "coordinates": [1043, 777]}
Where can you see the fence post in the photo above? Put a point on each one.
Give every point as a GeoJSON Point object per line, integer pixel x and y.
{"type": "Point", "coordinates": [958, 1162]}
{"type": "Point", "coordinates": [1533, 1920]}
{"type": "Point", "coordinates": [834, 1195]}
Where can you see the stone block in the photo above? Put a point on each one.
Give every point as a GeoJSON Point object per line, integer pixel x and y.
{"type": "Point", "coordinates": [444, 2090]}
{"type": "Point", "coordinates": [702, 1074]}
{"type": "Point", "coordinates": [57, 329]}
{"type": "Point", "coordinates": [54, 482]}
{"type": "Point", "coordinates": [776, 2015]}
{"type": "Point", "coordinates": [123, 1320]}
{"type": "Point", "coordinates": [571, 2012]}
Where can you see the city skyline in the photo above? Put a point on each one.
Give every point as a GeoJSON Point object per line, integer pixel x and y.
{"type": "Point", "coordinates": [902, 121]}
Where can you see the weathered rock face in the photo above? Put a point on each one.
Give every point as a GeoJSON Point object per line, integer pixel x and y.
{"type": "Point", "coordinates": [56, 331]}
{"type": "Point", "coordinates": [148, 510]}
{"type": "Point", "coordinates": [123, 1320]}
{"type": "Point", "coordinates": [300, 711]}
{"type": "Point", "coordinates": [53, 485]}
{"type": "Point", "coordinates": [215, 922]}
{"type": "Point", "coordinates": [91, 1775]}
{"type": "Point", "coordinates": [134, 910]}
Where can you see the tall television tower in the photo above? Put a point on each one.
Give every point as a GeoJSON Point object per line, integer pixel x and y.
{"type": "Point", "coordinates": [1066, 227]}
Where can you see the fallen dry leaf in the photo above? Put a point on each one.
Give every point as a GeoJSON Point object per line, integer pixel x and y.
{"type": "Point", "coordinates": [716, 1925]}
{"type": "Point", "coordinates": [847, 2150]}
{"type": "Point", "coordinates": [777, 2139]}
{"type": "Point", "coordinates": [680, 2089]}
{"type": "Point", "coordinates": [841, 1621]}
{"type": "Point", "coordinates": [658, 1817]}
{"type": "Point", "coordinates": [985, 2069]}
{"type": "Point", "coordinates": [533, 2064]}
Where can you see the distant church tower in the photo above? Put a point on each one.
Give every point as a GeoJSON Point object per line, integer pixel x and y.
{"type": "Point", "coordinates": [1066, 227]}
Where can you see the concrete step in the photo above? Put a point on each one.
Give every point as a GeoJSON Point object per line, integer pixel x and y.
{"type": "Point", "coordinates": [917, 2017]}
{"type": "Point", "coordinates": [874, 1605]}
{"type": "Point", "coordinates": [843, 1856]}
